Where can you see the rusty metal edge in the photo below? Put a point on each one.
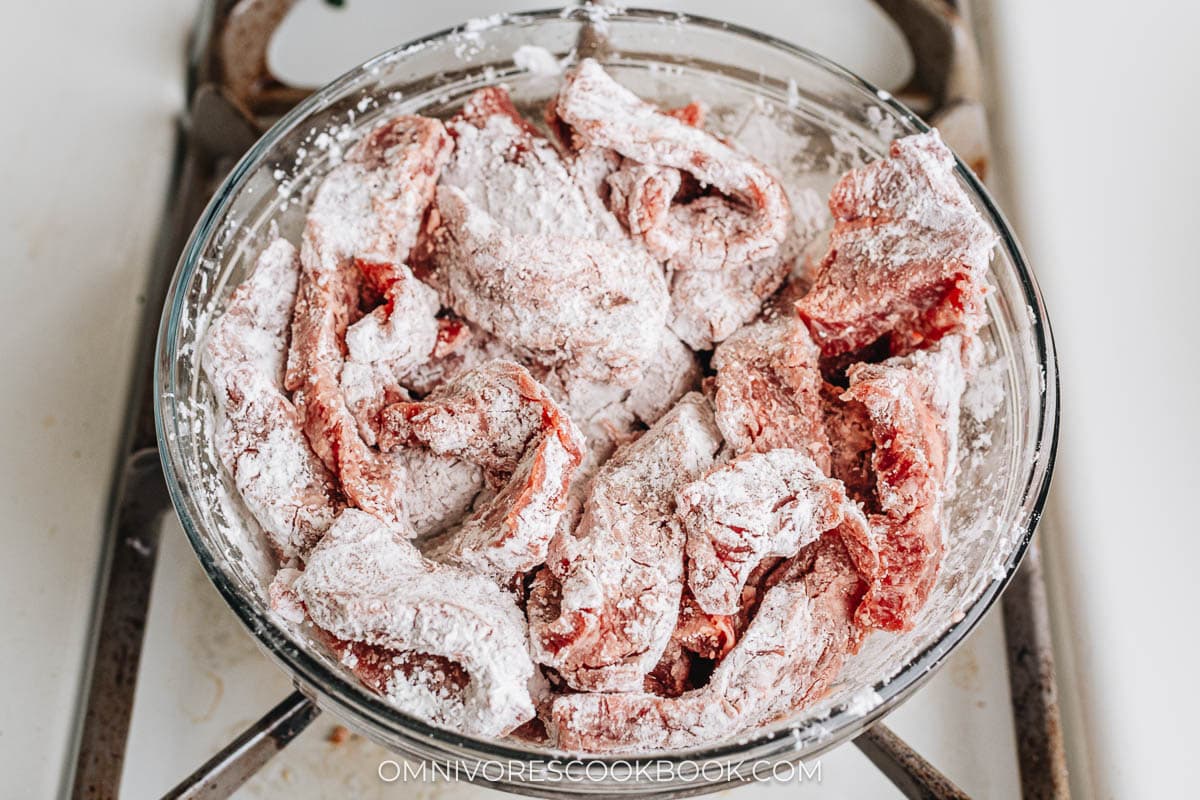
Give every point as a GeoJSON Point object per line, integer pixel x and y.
{"type": "Point", "coordinates": [915, 777]}
{"type": "Point", "coordinates": [242, 758]}
{"type": "Point", "coordinates": [1031, 674]}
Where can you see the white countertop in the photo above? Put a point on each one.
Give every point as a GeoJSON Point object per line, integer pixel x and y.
{"type": "Point", "coordinates": [1097, 116]}
{"type": "Point", "coordinates": [91, 91]}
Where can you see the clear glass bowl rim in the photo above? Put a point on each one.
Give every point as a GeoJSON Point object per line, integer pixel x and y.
{"type": "Point", "coordinates": [777, 739]}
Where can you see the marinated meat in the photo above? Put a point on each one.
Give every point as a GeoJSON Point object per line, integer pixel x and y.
{"type": "Point", "coordinates": [907, 258]}
{"type": "Point", "coordinates": [590, 308]}
{"type": "Point", "coordinates": [733, 236]}
{"type": "Point", "coordinates": [747, 224]}
{"type": "Point", "coordinates": [386, 346]}
{"type": "Point", "coordinates": [509, 171]}
{"type": "Point", "coordinates": [364, 220]}
{"type": "Point", "coordinates": [259, 435]}
{"type": "Point", "coordinates": [603, 608]}
{"type": "Point", "coordinates": [848, 429]}
{"type": "Point", "coordinates": [753, 507]}
{"type": "Point", "coordinates": [768, 390]}
{"type": "Point", "coordinates": [913, 406]}
{"type": "Point", "coordinates": [366, 586]}
{"type": "Point", "coordinates": [497, 417]}
{"type": "Point", "coordinates": [788, 658]}
{"type": "Point", "coordinates": [528, 254]}
{"type": "Point", "coordinates": [496, 342]}
{"type": "Point", "coordinates": [707, 307]}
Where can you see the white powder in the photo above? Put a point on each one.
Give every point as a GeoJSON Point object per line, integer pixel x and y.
{"type": "Point", "coordinates": [363, 583]}
{"type": "Point", "coordinates": [987, 390]}
{"type": "Point", "coordinates": [537, 60]}
{"type": "Point", "coordinates": [863, 702]}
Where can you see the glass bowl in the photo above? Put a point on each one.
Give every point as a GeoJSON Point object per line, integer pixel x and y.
{"type": "Point", "coordinates": [805, 116]}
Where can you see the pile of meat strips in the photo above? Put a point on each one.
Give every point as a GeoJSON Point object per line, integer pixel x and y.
{"type": "Point", "coordinates": [548, 441]}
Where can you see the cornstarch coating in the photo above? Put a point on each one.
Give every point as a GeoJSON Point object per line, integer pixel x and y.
{"type": "Point", "coordinates": [259, 433]}
{"type": "Point", "coordinates": [768, 389]}
{"type": "Point", "coordinates": [498, 417]}
{"type": "Point", "coordinates": [603, 608]}
{"type": "Point", "coordinates": [363, 222]}
{"type": "Point", "coordinates": [755, 506]}
{"type": "Point", "coordinates": [907, 258]}
{"type": "Point", "coordinates": [723, 250]}
{"type": "Point", "coordinates": [363, 583]}
{"type": "Point", "coordinates": [386, 346]}
{"type": "Point", "coordinates": [529, 256]}
{"type": "Point", "coordinates": [553, 441]}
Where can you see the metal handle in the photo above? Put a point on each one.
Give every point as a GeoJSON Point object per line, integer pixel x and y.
{"type": "Point", "coordinates": [915, 777]}
{"type": "Point", "coordinates": [238, 761]}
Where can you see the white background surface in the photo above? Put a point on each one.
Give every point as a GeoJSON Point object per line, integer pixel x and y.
{"type": "Point", "coordinates": [1097, 123]}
